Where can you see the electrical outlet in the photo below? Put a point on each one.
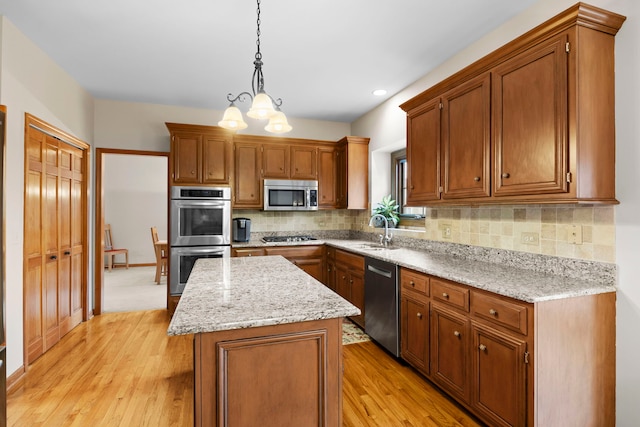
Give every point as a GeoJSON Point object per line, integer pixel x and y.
{"type": "Point", "coordinates": [575, 234]}
{"type": "Point", "coordinates": [446, 230]}
{"type": "Point", "coordinates": [530, 238]}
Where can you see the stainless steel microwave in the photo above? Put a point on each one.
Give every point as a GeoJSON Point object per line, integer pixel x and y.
{"type": "Point", "coordinates": [290, 195]}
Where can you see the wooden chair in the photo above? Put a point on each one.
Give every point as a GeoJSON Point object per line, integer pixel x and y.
{"type": "Point", "coordinates": [110, 251]}
{"type": "Point", "coordinates": [160, 248]}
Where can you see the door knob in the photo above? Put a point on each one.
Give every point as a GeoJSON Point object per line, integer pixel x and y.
{"type": "Point", "coordinates": [482, 347]}
{"type": "Point", "coordinates": [445, 295]}
{"type": "Point", "coordinates": [67, 253]}
{"type": "Point", "coordinates": [506, 175]}
{"type": "Point", "coordinates": [456, 333]}
{"type": "Point", "coordinates": [476, 179]}
{"type": "Point", "coordinates": [419, 315]}
{"type": "Point", "coordinates": [53, 257]}
{"type": "Point", "coordinates": [493, 312]}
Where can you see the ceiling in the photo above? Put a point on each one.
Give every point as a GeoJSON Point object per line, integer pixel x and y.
{"type": "Point", "coordinates": [322, 58]}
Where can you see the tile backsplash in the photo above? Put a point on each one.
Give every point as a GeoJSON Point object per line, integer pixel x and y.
{"type": "Point", "coordinates": [541, 229]}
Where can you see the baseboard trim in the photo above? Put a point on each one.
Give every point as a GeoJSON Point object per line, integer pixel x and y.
{"type": "Point", "coordinates": [16, 378]}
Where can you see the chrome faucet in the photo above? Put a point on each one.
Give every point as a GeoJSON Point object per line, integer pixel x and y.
{"type": "Point", "coordinates": [385, 240]}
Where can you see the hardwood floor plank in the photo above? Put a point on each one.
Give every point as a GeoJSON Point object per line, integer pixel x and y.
{"type": "Point", "coordinates": [121, 369]}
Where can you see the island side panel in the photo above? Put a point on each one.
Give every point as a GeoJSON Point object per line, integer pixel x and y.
{"type": "Point", "coordinates": [290, 374]}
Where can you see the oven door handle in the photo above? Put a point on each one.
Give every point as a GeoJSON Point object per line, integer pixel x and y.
{"type": "Point", "coordinates": [199, 251]}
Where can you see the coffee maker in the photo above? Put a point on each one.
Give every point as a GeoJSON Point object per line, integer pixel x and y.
{"type": "Point", "coordinates": [241, 229]}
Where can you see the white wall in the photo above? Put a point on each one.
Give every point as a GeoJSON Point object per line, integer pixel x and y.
{"type": "Point", "coordinates": [386, 125]}
{"type": "Point", "coordinates": [135, 199]}
{"type": "Point", "coordinates": [31, 82]}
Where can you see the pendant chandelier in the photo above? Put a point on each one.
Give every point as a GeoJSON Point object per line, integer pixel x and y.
{"type": "Point", "coordinates": [263, 105]}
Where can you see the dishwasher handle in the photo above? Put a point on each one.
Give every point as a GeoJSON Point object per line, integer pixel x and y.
{"type": "Point", "coordinates": [379, 271]}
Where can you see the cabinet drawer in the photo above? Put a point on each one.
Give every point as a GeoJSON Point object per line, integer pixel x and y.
{"type": "Point", "coordinates": [295, 251]}
{"type": "Point", "coordinates": [247, 252]}
{"type": "Point", "coordinates": [414, 281]}
{"type": "Point", "coordinates": [450, 293]}
{"type": "Point", "coordinates": [349, 259]}
{"type": "Point", "coordinates": [499, 311]}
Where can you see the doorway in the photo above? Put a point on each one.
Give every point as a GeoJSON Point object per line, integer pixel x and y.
{"type": "Point", "coordinates": [55, 235]}
{"type": "Point", "coordinates": [129, 184]}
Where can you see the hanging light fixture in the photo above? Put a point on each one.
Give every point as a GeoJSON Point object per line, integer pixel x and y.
{"type": "Point", "coordinates": [263, 105]}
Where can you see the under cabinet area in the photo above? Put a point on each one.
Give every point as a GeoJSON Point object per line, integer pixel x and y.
{"type": "Point", "coordinates": [510, 362]}
{"type": "Point", "coordinates": [532, 122]}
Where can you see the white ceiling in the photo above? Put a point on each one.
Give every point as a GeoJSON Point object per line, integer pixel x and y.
{"type": "Point", "coordinates": [323, 58]}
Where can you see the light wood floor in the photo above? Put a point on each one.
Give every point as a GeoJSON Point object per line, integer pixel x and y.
{"type": "Point", "coordinates": [121, 369]}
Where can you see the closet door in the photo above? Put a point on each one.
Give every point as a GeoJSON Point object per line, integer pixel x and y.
{"type": "Point", "coordinates": [54, 236]}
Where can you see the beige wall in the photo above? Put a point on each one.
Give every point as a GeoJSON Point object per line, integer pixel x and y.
{"type": "Point", "coordinates": [30, 82]}
{"type": "Point", "coordinates": [139, 126]}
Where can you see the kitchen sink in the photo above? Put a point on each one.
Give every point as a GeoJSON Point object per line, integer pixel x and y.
{"type": "Point", "coordinates": [374, 247]}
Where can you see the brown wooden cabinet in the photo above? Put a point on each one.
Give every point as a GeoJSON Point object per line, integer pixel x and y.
{"type": "Point", "coordinates": [510, 362]}
{"type": "Point", "coordinates": [275, 161]}
{"type": "Point", "coordinates": [352, 182]}
{"type": "Point", "coordinates": [200, 155]}
{"type": "Point", "coordinates": [309, 258]}
{"type": "Point", "coordinates": [306, 257]}
{"type": "Point", "coordinates": [349, 280]}
{"type": "Point", "coordinates": [304, 162]}
{"type": "Point", "coordinates": [327, 177]}
{"type": "Point", "coordinates": [450, 340]}
{"type": "Point", "coordinates": [247, 179]}
{"type": "Point", "coordinates": [532, 122]}
{"type": "Point", "coordinates": [414, 319]}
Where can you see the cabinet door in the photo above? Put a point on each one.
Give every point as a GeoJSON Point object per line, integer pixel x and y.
{"type": "Point", "coordinates": [342, 282]}
{"type": "Point", "coordinates": [248, 186]}
{"type": "Point", "coordinates": [466, 124]}
{"type": "Point", "coordinates": [530, 117]}
{"type": "Point", "coordinates": [449, 351]}
{"type": "Point", "coordinates": [414, 321]}
{"type": "Point", "coordinates": [215, 160]}
{"type": "Point", "coordinates": [186, 152]}
{"type": "Point", "coordinates": [312, 266]}
{"type": "Point", "coordinates": [243, 252]}
{"type": "Point", "coordinates": [327, 177]}
{"type": "Point", "coordinates": [304, 162]}
{"type": "Point", "coordinates": [356, 282]}
{"type": "Point", "coordinates": [423, 154]}
{"type": "Point", "coordinates": [330, 278]}
{"type": "Point", "coordinates": [341, 177]}
{"type": "Point", "coordinates": [275, 158]}
{"type": "Point", "coordinates": [499, 376]}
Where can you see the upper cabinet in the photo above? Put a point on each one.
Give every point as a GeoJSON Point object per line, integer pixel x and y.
{"type": "Point", "coordinates": [200, 155]}
{"type": "Point", "coordinates": [352, 162]}
{"type": "Point", "coordinates": [532, 122]}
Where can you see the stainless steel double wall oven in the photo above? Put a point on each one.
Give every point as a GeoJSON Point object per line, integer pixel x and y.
{"type": "Point", "coordinates": [200, 228]}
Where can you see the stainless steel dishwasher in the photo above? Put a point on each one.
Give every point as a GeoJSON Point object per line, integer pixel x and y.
{"type": "Point", "coordinates": [381, 304]}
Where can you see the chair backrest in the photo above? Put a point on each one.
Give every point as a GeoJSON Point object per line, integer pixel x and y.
{"type": "Point", "coordinates": [108, 241]}
{"type": "Point", "coordinates": [154, 235]}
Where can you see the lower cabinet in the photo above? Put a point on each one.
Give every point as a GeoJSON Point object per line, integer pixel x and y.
{"type": "Point", "coordinates": [309, 258]}
{"type": "Point", "coordinates": [348, 279]}
{"type": "Point", "coordinates": [450, 340]}
{"type": "Point", "coordinates": [509, 362]}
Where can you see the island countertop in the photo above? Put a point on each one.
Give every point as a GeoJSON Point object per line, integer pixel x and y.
{"type": "Point", "coordinates": [236, 293]}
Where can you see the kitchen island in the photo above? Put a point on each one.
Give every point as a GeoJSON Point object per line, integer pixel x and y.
{"type": "Point", "coordinates": [267, 343]}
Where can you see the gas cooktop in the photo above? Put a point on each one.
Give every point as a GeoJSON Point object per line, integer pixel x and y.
{"type": "Point", "coordinates": [276, 239]}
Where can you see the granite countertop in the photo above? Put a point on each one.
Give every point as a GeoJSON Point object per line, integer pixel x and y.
{"type": "Point", "coordinates": [234, 293]}
{"type": "Point", "coordinates": [498, 277]}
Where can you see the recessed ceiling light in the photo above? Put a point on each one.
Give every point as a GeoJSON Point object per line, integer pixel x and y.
{"type": "Point", "coordinates": [379, 92]}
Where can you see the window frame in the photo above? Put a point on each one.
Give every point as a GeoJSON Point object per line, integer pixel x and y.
{"type": "Point", "coordinates": [398, 189]}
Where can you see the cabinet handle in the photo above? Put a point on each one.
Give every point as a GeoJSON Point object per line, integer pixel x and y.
{"type": "Point", "coordinates": [193, 172]}
{"type": "Point", "coordinates": [67, 253]}
{"type": "Point", "coordinates": [344, 277]}
{"type": "Point", "coordinates": [456, 333]}
{"type": "Point", "coordinates": [412, 187]}
{"type": "Point", "coordinates": [53, 257]}
{"type": "Point", "coordinates": [411, 283]}
{"type": "Point", "coordinates": [493, 312]}
{"type": "Point", "coordinates": [445, 295]}
{"type": "Point", "coordinates": [351, 281]}
{"type": "Point", "coordinates": [506, 175]}
{"type": "Point", "coordinates": [248, 254]}
{"type": "Point", "coordinates": [329, 269]}
{"type": "Point", "coordinates": [419, 315]}
{"type": "Point", "coordinates": [476, 179]}
{"type": "Point", "coordinates": [482, 347]}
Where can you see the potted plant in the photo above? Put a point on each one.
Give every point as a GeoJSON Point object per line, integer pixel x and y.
{"type": "Point", "coordinates": [389, 209]}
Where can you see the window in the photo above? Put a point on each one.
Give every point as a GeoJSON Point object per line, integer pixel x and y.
{"type": "Point", "coordinates": [399, 173]}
